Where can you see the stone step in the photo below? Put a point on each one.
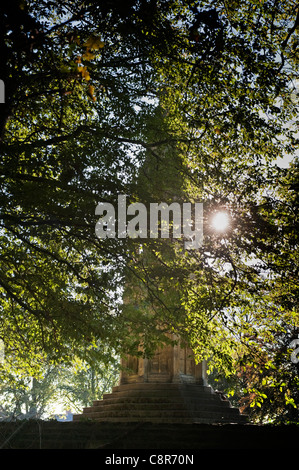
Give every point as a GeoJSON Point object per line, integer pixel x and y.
{"type": "Point", "coordinates": [161, 386]}
{"type": "Point", "coordinates": [158, 401]}
{"type": "Point", "coordinates": [161, 401]}
{"type": "Point", "coordinates": [112, 411]}
{"type": "Point", "coordinates": [157, 406]}
{"type": "Point", "coordinates": [209, 418]}
{"type": "Point", "coordinates": [159, 394]}
{"type": "Point", "coordinates": [160, 420]}
{"type": "Point", "coordinates": [129, 419]}
{"type": "Point", "coordinates": [212, 399]}
{"type": "Point", "coordinates": [158, 397]}
{"type": "Point", "coordinates": [139, 413]}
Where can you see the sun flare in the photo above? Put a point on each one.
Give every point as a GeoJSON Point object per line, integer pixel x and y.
{"type": "Point", "coordinates": [220, 221]}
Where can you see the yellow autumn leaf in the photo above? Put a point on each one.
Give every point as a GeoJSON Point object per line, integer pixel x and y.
{"type": "Point", "coordinates": [88, 55]}
{"type": "Point", "coordinates": [86, 75]}
{"type": "Point", "coordinates": [84, 72]}
{"type": "Point", "coordinates": [94, 43]}
{"type": "Point", "coordinates": [91, 93]}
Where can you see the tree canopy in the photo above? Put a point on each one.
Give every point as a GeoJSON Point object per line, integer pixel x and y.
{"type": "Point", "coordinates": [161, 101]}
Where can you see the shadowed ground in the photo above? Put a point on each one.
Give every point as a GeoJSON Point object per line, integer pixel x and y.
{"type": "Point", "coordinates": [92, 435]}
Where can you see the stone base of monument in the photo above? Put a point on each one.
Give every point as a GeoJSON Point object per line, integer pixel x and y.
{"type": "Point", "coordinates": [184, 403]}
{"type": "Point", "coordinates": [168, 388]}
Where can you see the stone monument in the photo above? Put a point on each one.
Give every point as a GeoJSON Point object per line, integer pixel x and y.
{"type": "Point", "coordinates": [167, 388]}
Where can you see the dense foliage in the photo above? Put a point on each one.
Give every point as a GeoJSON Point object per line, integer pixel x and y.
{"type": "Point", "coordinates": [162, 101]}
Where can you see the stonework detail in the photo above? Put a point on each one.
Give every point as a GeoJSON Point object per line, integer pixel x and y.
{"type": "Point", "coordinates": [170, 364]}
